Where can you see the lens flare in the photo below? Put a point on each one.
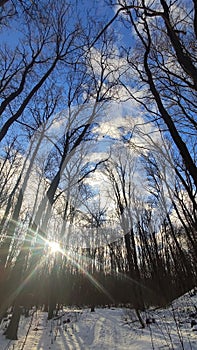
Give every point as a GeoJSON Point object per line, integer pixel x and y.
{"type": "Point", "coordinates": [54, 246]}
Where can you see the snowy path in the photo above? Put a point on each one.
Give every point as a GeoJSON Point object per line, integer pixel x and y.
{"type": "Point", "coordinates": [102, 329]}
{"type": "Point", "coordinates": [108, 329]}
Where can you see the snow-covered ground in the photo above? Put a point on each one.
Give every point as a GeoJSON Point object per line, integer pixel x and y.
{"type": "Point", "coordinates": [109, 329]}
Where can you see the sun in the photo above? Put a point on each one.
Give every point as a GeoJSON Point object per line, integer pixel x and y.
{"type": "Point", "coordinates": [54, 246]}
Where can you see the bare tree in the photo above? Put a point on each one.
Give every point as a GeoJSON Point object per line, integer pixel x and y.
{"type": "Point", "coordinates": [120, 172]}
{"type": "Point", "coordinates": [27, 66]}
{"type": "Point", "coordinates": [41, 116]}
{"type": "Point", "coordinates": [87, 92]}
{"type": "Point", "coordinates": [10, 160]}
{"type": "Point", "coordinates": [161, 73]}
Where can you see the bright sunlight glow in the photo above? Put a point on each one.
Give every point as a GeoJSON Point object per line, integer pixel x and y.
{"type": "Point", "coordinates": [54, 246]}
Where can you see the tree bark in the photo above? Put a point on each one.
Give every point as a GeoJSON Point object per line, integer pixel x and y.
{"type": "Point", "coordinates": [11, 331]}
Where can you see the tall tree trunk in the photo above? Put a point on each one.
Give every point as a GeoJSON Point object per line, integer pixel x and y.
{"type": "Point", "coordinates": [11, 331]}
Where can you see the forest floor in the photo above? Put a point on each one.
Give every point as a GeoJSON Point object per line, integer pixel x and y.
{"type": "Point", "coordinates": [109, 329]}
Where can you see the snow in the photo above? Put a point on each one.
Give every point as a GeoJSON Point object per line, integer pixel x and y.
{"type": "Point", "coordinates": [109, 329]}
